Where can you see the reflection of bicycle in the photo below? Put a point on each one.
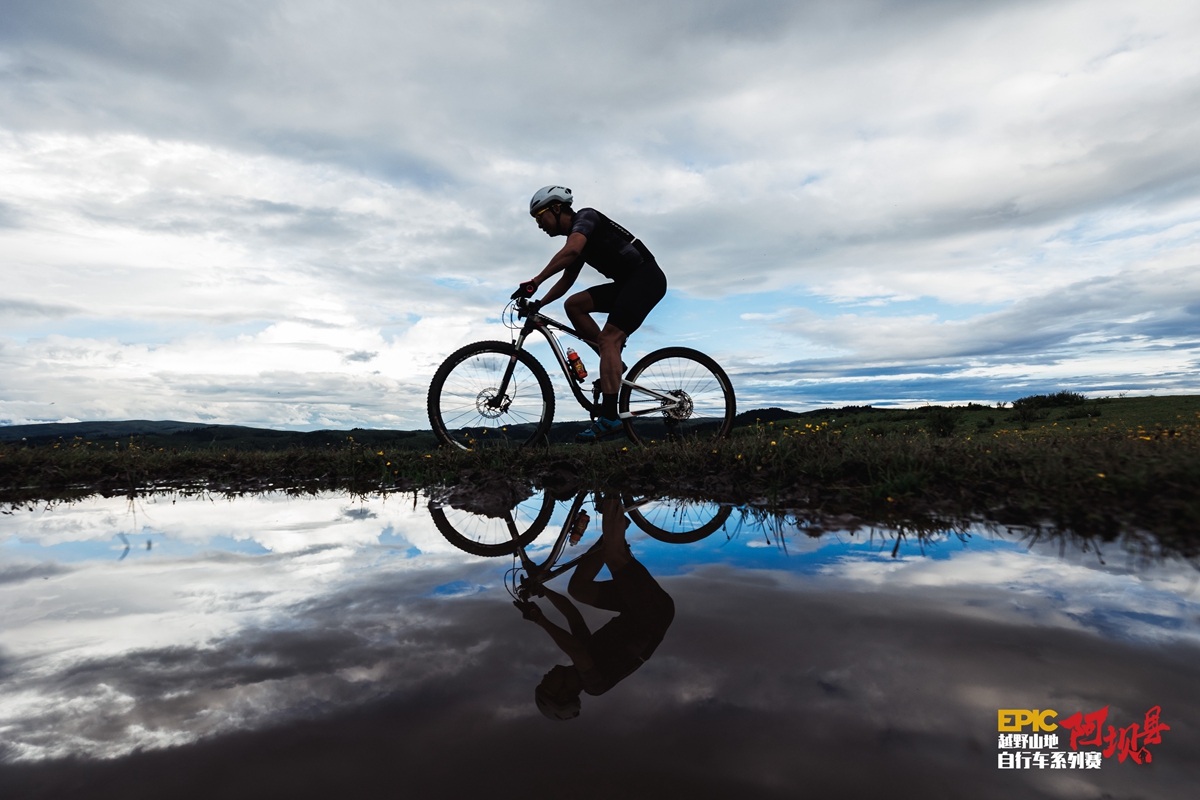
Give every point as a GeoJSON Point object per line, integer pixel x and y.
{"type": "Point", "coordinates": [497, 394]}
{"type": "Point", "coordinates": [673, 521]}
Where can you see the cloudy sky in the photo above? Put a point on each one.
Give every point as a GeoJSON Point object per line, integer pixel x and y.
{"type": "Point", "coordinates": [287, 214]}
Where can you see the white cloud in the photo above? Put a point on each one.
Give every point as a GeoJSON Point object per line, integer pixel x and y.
{"type": "Point", "coordinates": [333, 175]}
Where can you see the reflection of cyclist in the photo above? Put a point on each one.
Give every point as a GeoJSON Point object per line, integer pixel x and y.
{"type": "Point", "coordinates": [602, 659]}
{"type": "Point", "coordinates": [637, 286]}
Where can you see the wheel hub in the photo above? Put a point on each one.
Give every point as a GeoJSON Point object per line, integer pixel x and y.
{"type": "Point", "coordinates": [682, 409]}
{"type": "Point", "coordinates": [485, 407]}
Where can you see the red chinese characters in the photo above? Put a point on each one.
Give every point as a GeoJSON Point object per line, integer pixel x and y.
{"type": "Point", "coordinates": [1125, 743]}
{"type": "Point", "coordinates": [1083, 724]}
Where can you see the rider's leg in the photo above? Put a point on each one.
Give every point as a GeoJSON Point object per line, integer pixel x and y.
{"type": "Point", "coordinates": [611, 340]}
{"type": "Point", "coordinates": [579, 308]}
{"type": "Point", "coordinates": [631, 301]}
{"type": "Point", "coordinates": [608, 344]}
{"type": "Point", "coordinates": [612, 550]}
{"type": "Point", "coordinates": [583, 586]}
{"type": "Point", "coordinates": [613, 524]}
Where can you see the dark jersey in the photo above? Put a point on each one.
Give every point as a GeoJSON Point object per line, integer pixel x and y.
{"type": "Point", "coordinates": [609, 247]}
{"type": "Point", "coordinates": [625, 642]}
{"type": "Point", "coordinates": [616, 650]}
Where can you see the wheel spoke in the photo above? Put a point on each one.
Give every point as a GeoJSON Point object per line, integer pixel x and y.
{"type": "Point", "coordinates": [679, 521]}
{"type": "Point", "coordinates": [482, 535]}
{"type": "Point", "coordinates": [461, 395]}
{"type": "Point", "coordinates": [703, 401]}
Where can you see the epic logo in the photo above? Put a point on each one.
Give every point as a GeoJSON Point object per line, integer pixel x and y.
{"type": "Point", "coordinates": [1014, 719]}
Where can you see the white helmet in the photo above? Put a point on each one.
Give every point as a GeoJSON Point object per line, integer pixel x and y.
{"type": "Point", "coordinates": [548, 195]}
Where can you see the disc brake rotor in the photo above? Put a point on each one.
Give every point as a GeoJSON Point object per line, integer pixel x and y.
{"type": "Point", "coordinates": [682, 409]}
{"type": "Point", "coordinates": [485, 409]}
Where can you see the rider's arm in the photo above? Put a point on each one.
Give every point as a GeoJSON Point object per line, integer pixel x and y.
{"type": "Point", "coordinates": [567, 257]}
{"type": "Point", "coordinates": [567, 609]}
{"type": "Point", "coordinates": [568, 643]}
{"type": "Point", "coordinates": [563, 284]}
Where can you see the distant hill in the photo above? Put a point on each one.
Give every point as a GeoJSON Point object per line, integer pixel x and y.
{"type": "Point", "coordinates": [175, 434]}
{"type": "Point", "coordinates": [95, 430]}
{"type": "Point", "coordinates": [771, 414]}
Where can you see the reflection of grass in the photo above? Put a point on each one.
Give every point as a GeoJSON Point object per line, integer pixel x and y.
{"type": "Point", "coordinates": [1097, 467]}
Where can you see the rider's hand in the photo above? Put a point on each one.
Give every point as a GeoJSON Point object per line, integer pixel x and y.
{"type": "Point", "coordinates": [529, 611]}
{"type": "Point", "coordinates": [525, 290]}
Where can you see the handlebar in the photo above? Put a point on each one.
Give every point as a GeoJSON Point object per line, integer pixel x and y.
{"type": "Point", "coordinates": [527, 307]}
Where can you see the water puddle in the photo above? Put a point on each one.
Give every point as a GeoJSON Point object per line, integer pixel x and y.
{"type": "Point", "coordinates": [331, 645]}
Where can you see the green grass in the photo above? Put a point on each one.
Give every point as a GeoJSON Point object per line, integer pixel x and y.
{"type": "Point", "coordinates": [1098, 467]}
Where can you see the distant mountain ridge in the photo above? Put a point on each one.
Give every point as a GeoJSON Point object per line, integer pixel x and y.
{"type": "Point", "coordinates": [97, 429]}
{"type": "Point", "coordinates": [172, 433]}
{"type": "Point", "coordinates": [209, 433]}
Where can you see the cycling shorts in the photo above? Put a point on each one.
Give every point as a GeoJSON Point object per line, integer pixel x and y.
{"type": "Point", "coordinates": [628, 302]}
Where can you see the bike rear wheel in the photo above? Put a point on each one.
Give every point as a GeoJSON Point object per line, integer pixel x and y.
{"type": "Point", "coordinates": [681, 394]}
{"type": "Point", "coordinates": [677, 521]}
{"type": "Point", "coordinates": [464, 387]}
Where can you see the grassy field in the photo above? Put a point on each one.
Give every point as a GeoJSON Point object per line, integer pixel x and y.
{"type": "Point", "coordinates": [1095, 466]}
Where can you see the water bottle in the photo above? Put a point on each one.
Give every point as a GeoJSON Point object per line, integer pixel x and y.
{"type": "Point", "coordinates": [576, 365]}
{"type": "Point", "coordinates": [581, 525]}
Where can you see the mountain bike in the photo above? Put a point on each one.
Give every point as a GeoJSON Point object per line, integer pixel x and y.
{"type": "Point", "coordinates": [675, 521]}
{"type": "Point", "coordinates": [496, 394]}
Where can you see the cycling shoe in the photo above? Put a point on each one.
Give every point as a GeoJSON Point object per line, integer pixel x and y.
{"type": "Point", "coordinates": [598, 430]}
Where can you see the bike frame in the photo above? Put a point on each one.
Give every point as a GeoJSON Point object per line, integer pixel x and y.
{"type": "Point", "coordinates": [546, 326]}
{"type": "Point", "coordinates": [550, 569]}
{"type": "Point", "coordinates": [547, 569]}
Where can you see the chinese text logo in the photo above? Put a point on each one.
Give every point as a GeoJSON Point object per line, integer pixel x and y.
{"type": "Point", "coordinates": [1028, 750]}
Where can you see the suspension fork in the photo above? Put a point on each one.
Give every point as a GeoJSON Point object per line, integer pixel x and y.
{"type": "Point", "coordinates": [546, 570]}
{"type": "Point", "coordinates": [556, 348]}
{"type": "Point", "coordinates": [502, 390]}
{"type": "Point", "coordinates": [526, 561]}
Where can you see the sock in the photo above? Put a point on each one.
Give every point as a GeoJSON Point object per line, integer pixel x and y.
{"type": "Point", "coordinates": [608, 406]}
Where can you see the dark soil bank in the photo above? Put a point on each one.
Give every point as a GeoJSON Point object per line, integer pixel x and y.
{"type": "Point", "coordinates": [1092, 468]}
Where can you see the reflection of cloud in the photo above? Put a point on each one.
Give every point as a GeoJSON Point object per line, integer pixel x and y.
{"type": "Point", "coordinates": [765, 682]}
{"type": "Point", "coordinates": [277, 522]}
{"type": "Point", "coordinates": [895, 661]}
{"type": "Point", "coordinates": [17, 572]}
{"type": "Point", "coordinates": [299, 660]}
{"type": "Point", "coordinates": [171, 607]}
{"type": "Point", "coordinates": [1043, 590]}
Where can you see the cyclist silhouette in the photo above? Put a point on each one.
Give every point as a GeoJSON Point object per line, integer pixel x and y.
{"type": "Point", "coordinates": [602, 659]}
{"type": "Point", "coordinates": [638, 284]}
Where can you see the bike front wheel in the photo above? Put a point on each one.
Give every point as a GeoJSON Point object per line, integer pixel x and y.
{"type": "Point", "coordinates": [480, 535]}
{"type": "Point", "coordinates": [467, 410]}
{"type": "Point", "coordinates": [677, 394]}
